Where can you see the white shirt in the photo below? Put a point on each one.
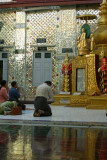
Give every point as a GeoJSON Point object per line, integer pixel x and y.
{"type": "Point", "coordinates": [45, 91]}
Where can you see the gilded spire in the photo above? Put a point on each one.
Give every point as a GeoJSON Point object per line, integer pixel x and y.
{"type": "Point", "coordinates": [100, 34]}
{"type": "Point", "coordinates": [103, 13]}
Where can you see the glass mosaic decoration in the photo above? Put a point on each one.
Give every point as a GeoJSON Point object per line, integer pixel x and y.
{"type": "Point", "coordinates": [21, 30]}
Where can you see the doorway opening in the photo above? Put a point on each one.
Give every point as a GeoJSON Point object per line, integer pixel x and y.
{"type": "Point", "coordinates": [42, 67]}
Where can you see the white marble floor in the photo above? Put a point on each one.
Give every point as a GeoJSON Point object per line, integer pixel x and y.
{"type": "Point", "coordinates": [62, 114]}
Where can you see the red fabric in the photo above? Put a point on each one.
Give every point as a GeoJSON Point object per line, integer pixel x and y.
{"type": "Point", "coordinates": [104, 64]}
{"type": "Point", "coordinates": [104, 61]}
{"type": "Point", "coordinates": [68, 68]}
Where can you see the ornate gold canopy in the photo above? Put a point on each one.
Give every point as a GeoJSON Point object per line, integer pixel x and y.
{"type": "Point", "coordinates": [87, 17]}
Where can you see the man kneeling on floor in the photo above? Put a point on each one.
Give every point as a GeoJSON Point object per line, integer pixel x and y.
{"type": "Point", "coordinates": [44, 94]}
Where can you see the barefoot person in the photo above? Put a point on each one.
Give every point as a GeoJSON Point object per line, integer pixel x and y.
{"type": "Point", "coordinates": [43, 95]}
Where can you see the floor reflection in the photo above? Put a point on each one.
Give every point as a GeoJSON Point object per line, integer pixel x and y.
{"type": "Point", "coordinates": [101, 146]}
{"type": "Point", "coordinates": [52, 143]}
{"type": "Point", "coordinates": [41, 143]}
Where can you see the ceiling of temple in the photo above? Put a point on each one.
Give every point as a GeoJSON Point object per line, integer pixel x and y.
{"type": "Point", "coordinates": [29, 3]}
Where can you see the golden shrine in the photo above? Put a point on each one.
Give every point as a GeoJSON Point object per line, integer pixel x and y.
{"type": "Point", "coordinates": [89, 68]}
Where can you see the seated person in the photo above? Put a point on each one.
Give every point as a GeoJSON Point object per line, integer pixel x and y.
{"type": "Point", "coordinates": [4, 96]}
{"type": "Point", "coordinates": [43, 94]}
{"type": "Point", "coordinates": [6, 107]}
{"type": "Point", "coordinates": [14, 94]}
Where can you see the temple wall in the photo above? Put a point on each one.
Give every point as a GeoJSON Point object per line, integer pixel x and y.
{"type": "Point", "coordinates": [20, 31]}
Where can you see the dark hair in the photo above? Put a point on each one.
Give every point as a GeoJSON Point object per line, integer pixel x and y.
{"type": "Point", "coordinates": [3, 82]}
{"type": "Point", "coordinates": [13, 83]}
{"type": "Point", "coordinates": [48, 82]}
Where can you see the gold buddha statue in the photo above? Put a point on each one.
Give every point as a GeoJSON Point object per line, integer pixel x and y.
{"type": "Point", "coordinates": [82, 44]}
{"type": "Point", "coordinates": [83, 40]}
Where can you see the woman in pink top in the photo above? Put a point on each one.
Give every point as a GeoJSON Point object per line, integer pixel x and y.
{"type": "Point", "coordinates": [4, 96]}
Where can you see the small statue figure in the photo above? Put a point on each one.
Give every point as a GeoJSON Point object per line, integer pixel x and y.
{"type": "Point", "coordinates": [66, 66]}
{"type": "Point", "coordinates": [92, 42]}
{"type": "Point", "coordinates": [82, 44]}
{"type": "Point", "coordinates": [66, 70]}
{"type": "Point", "coordinates": [83, 40]}
{"type": "Point", "coordinates": [78, 43]}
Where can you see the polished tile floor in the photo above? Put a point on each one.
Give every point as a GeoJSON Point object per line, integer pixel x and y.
{"type": "Point", "coordinates": [61, 115]}
{"type": "Point", "coordinates": [24, 142]}
{"type": "Point", "coordinates": [69, 134]}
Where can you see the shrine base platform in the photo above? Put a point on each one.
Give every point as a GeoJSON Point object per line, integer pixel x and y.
{"type": "Point", "coordinates": [90, 102]}
{"type": "Point", "coordinates": [71, 100]}
{"type": "Point", "coordinates": [97, 102]}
